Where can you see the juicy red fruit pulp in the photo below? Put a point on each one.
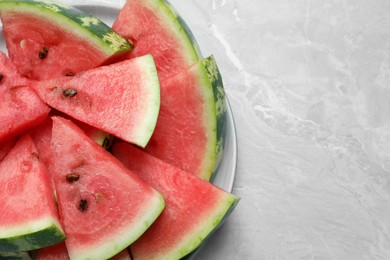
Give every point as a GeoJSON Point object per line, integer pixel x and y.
{"type": "Point", "coordinates": [42, 54]}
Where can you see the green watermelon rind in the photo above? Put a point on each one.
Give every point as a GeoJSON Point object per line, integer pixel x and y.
{"type": "Point", "coordinates": [126, 237]}
{"type": "Point", "coordinates": [185, 30]}
{"type": "Point", "coordinates": [71, 19]}
{"type": "Point", "coordinates": [215, 113]}
{"type": "Point", "coordinates": [214, 220]}
{"type": "Point", "coordinates": [15, 256]}
{"type": "Point", "coordinates": [150, 77]}
{"type": "Point", "coordinates": [220, 108]}
{"type": "Point", "coordinates": [31, 235]}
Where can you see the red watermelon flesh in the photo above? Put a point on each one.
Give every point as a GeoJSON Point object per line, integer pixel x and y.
{"type": "Point", "coordinates": [24, 49]}
{"type": "Point", "coordinates": [43, 48]}
{"type": "Point", "coordinates": [194, 208]}
{"type": "Point", "coordinates": [20, 107]}
{"type": "Point", "coordinates": [187, 133]}
{"type": "Point", "coordinates": [26, 188]}
{"type": "Point", "coordinates": [6, 146]}
{"type": "Point", "coordinates": [59, 252]}
{"type": "Point", "coordinates": [154, 27]}
{"type": "Point", "coordinates": [41, 134]}
{"type": "Point", "coordinates": [54, 252]}
{"type": "Point", "coordinates": [122, 99]}
{"type": "Point", "coordinates": [103, 206]}
{"type": "Point", "coordinates": [8, 74]}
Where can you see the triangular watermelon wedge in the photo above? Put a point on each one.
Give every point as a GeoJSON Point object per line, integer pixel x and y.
{"type": "Point", "coordinates": [45, 39]}
{"type": "Point", "coordinates": [25, 187]}
{"type": "Point", "coordinates": [153, 26]}
{"type": "Point", "coordinates": [190, 130]}
{"type": "Point", "coordinates": [103, 206]}
{"type": "Point", "coordinates": [122, 99]}
{"type": "Point", "coordinates": [194, 207]}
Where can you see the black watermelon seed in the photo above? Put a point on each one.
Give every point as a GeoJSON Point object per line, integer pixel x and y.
{"type": "Point", "coordinates": [83, 205]}
{"type": "Point", "coordinates": [71, 177]}
{"type": "Point", "coordinates": [43, 53]}
{"type": "Point", "coordinates": [1, 77]}
{"type": "Point", "coordinates": [69, 74]}
{"type": "Point", "coordinates": [69, 92]}
{"type": "Point", "coordinates": [107, 142]}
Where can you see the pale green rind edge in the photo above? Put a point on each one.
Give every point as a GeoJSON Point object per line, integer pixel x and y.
{"type": "Point", "coordinates": [15, 256]}
{"type": "Point", "coordinates": [149, 120]}
{"type": "Point", "coordinates": [220, 214]}
{"type": "Point", "coordinates": [215, 78]}
{"type": "Point", "coordinates": [102, 138]}
{"type": "Point", "coordinates": [177, 25]}
{"type": "Point", "coordinates": [126, 237]}
{"type": "Point", "coordinates": [82, 24]}
{"type": "Point", "coordinates": [186, 29]}
{"type": "Point", "coordinates": [43, 236]}
{"type": "Point", "coordinates": [211, 88]}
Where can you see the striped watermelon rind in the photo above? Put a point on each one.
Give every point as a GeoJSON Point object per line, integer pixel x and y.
{"type": "Point", "coordinates": [184, 29]}
{"type": "Point", "coordinates": [15, 256]}
{"type": "Point", "coordinates": [31, 235]}
{"type": "Point", "coordinates": [212, 88]}
{"type": "Point", "coordinates": [215, 79]}
{"type": "Point", "coordinates": [82, 24]}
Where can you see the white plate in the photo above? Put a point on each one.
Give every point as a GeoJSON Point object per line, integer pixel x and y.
{"type": "Point", "coordinates": [225, 174]}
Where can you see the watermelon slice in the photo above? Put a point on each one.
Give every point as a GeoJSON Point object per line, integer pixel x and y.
{"type": "Point", "coordinates": [20, 107]}
{"type": "Point", "coordinates": [122, 99]}
{"type": "Point", "coordinates": [103, 206]}
{"type": "Point", "coordinates": [194, 208]}
{"type": "Point", "coordinates": [190, 129]}
{"type": "Point", "coordinates": [153, 26]}
{"type": "Point", "coordinates": [45, 39]}
{"type": "Point", "coordinates": [25, 188]}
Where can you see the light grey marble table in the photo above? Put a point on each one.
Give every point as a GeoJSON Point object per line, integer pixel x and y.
{"type": "Point", "coordinates": [309, 86]}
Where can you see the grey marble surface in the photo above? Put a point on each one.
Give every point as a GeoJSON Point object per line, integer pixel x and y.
{"type": "Point", "coordinates": [309, 86]}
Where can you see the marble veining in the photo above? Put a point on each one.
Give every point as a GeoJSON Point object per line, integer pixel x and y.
{"type": "Point", "coordinates": [309, 85]}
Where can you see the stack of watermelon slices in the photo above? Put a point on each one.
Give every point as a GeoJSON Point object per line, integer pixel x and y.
{"type": "Point", "coordinates": [69, 84]}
